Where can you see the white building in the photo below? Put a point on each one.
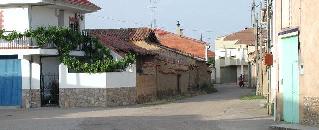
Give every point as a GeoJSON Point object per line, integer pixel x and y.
{"type": "Point", "coordinates": [231, 60]}
{"type": "Point", "coordinates": [29, 73]}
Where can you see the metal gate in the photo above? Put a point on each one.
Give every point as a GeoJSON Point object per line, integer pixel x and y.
{"type": "Point", "coordinates": [49, 90]}
{"type": "Point", "coordinates": [10, 82]}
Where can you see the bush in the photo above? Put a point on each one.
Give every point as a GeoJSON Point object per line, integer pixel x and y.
{"type": "Point", "coordinates": [208, 88]}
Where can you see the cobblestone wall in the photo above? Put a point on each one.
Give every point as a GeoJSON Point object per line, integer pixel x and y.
{"type": "Point", "coordinates": [311, 111]}
{"type": "Point", "coordinates": [121, 96]}
{"type": "Point", "coordinates": [96, 97]}
{"type": "Point", "coordinates": [31, 98]}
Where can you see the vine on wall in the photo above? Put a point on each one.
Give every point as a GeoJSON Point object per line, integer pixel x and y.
{"type": "Point", "coordinates": [97, 58]}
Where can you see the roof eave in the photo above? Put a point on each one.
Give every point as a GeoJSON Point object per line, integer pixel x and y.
{"type": "Point", "coordinates": [76, 7]}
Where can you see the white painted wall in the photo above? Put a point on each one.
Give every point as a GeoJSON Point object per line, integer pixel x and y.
{"type": "Point", "coordinates": [16, 18]}
{"type": "Point", "coordinates": [80, 80]}
{"type": "Point", "coordinates": [100, 80]}
{"type": "Point", "coordinates": [43, 16]}
{"type": "Point", "coordinates": [19, 1]}
{"type": "Point", "coordinates": [35, 74]}
{"type": "Point", "coordinates": [19, 19]}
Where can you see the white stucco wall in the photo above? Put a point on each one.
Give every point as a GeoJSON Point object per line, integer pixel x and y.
{"type": "Point", "coordinates": [19, 18]}
{"type": "Point", "coordinates": [16, 18]}
{"type": "Point", "coordinates": [43, 16]}
{"type": "Point", "coordinates": [19, 1]}
{"type": "Point", "coordinates": [67, 15]}
{"type": "Point", "coordinates": [35, 73]}
{"type": "Point", "coordinates": [100, 80]}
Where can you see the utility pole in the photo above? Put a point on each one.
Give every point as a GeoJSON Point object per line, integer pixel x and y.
{"type": "Point", "coordinates": [256, 30]}
{"type": "Point", "coordinates": [269, 40]}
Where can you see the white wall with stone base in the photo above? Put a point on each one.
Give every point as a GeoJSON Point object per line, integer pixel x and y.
{"type": "Point", "coordinates": [97, 90]}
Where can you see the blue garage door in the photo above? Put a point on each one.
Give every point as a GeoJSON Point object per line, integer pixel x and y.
{"type": "Point", "coordinates": [10, 82]}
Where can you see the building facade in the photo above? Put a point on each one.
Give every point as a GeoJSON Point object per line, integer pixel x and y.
{"type": "Point", "coordinates": [161, 71]}
{"type": "Point", "coordinates": [231, 60]}
{"type": "Point", "coordinates": [34, 70]}
{"type": "Point", "coordinates": [295, 71]}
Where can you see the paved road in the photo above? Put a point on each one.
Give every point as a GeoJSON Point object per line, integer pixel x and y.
{"type": "Point", "coordinates": [219, 111]}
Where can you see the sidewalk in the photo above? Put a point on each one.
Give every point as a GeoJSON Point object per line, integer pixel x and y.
{"type": "Point", "coordinates": [291, 127]}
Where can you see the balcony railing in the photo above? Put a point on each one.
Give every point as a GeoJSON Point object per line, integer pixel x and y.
{"type": "Point", "coordinates": [231, 62]}
{"type": "Point", "coordinates": [30, 43]}
{"type": "Point", "coordinates": [19, 43]}
{"type": "Point", "coordinates": [27, 43]}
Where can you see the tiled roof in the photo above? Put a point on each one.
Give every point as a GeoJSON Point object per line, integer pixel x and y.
{"type": "Point", "coordinates": [246, 36]}
{"type": "Point", "coordinates": [128, 34]}
{"type": "Point", "coordinates": [83, 3]}
{"type": "Point", "coordinates": [184, 44]}
{"type": "Point", "coordinates": [120, 40]}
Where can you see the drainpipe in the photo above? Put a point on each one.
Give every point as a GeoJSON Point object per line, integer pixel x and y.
{"type": "Point", "coordinates": [31, 57]}
{"type": "Point", "coordinates": [30, 80]}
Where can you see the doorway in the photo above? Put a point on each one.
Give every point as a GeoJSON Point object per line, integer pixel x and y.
{"type": "Point", "coordinates": [49, 81]}
{"type": "Point", "coordinates": [10, 81]}
{"type": "Point", "coordinates": [289, 78]}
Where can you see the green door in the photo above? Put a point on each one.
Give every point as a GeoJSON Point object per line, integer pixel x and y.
{"type": "Point", "coordinates": [289, 78]}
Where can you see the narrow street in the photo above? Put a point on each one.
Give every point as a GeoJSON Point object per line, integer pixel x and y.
{"type": "Point", "coordinates": [219, 111]}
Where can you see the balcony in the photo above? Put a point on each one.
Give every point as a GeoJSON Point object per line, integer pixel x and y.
{"type": "Point", "coordinates": [231, 62]}
{"type": "Point", "coordinates": [20, 43]}
{"type": "Point", "coordinates": [28, 46]}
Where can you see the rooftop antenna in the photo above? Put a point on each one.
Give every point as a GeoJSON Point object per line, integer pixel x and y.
{"type": "Point", "coordinates": [153, 7]}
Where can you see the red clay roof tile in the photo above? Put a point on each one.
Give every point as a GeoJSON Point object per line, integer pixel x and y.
{"type": "Point", "coordinates": [184, 44]}
{"type": "Point", "coordinates": [246, 36]}
{"type": "Point", "coordinates": [120, 40]}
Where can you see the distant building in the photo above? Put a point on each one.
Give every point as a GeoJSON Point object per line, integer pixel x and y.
{"type": "Point", "coordinates": [233, 56]}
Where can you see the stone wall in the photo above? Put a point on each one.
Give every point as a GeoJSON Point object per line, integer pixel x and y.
{"type": "Point", "coordinates": [121, 96]}
{"type": "Point", "coordinates": [82, 97]}
{"type": "Point", "coordinates": [97, 97]}
{"type": "Point", "coordinates": [31, 98]}
{"type": "Point", "coordinates": [311, 111]}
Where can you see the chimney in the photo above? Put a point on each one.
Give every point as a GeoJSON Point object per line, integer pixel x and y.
{"type": "Point", "coordinates": [179, 30]}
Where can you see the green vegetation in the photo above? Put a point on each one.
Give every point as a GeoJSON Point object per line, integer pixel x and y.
{"type": "Point", "coordinates": [97, 57]}
{"type": "Point", "coordinates": [251, 97]}
{"type": "Point", "coordinates": [168, 100]}
{"type": "Point", "coordinates": [211, 61]}
{"type": "Point", "coordinates": [208, 88]}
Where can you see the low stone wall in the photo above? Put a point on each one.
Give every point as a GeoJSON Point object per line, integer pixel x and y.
{"type": "Point", "coordinates": [31, 98]}
{"type": "Point", "coordinates": [82, 97]}
{"type": "Point", "coordinates": [96, 97]}
{"type": "Point", "coordinates": [121, 96]}
{"type": "Point", "coordinates": [311, 111]}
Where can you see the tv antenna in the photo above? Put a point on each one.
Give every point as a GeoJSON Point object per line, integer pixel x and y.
{"type": "Point", "coordinates": [153, 8]}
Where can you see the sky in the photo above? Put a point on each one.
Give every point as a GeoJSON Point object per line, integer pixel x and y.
{"type": "Point", "coordinates": [212, 18]}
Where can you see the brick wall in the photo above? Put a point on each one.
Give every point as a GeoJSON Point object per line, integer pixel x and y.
{"type": "Point", "coordinates": [159, 79]}
{"type": "Point", "coordinates": [168, 73]}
